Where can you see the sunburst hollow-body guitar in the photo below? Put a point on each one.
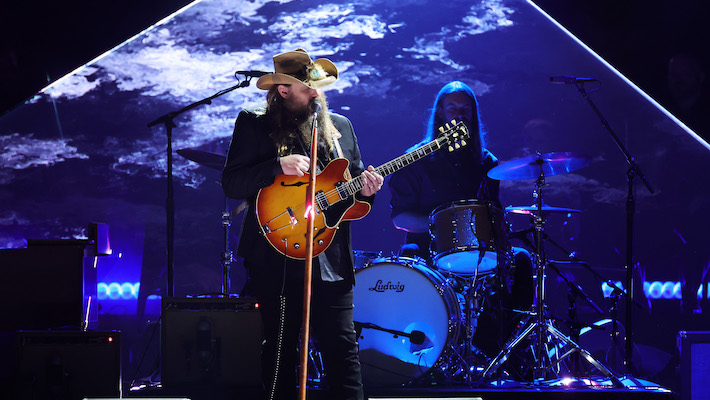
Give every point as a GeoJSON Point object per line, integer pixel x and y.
{"type": "Point", "coordinates": [281, 208]}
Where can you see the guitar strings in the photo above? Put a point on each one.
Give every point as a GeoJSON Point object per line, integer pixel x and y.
{"type": "Point", "coordinates": [356, 184]}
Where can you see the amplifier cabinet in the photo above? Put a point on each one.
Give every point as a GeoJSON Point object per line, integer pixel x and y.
{"type": "Point", "coordinates": [694, 365]}
{"type": "Point", "coordinates": [210, 341]}
{"type": "Point", "coordinates": [67, 365]}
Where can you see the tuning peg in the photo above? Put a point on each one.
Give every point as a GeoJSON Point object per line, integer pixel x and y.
{"type": "Point", "coordinates": [457, 146]}
{"type": "Point", "coordinates": [451, 148]}
{"type": "Point", "coordinates": [463, 142]}
{"type": "Point", "coordinates": [453, 122]}
{"type": "Point", "coordinates": [441, 129]}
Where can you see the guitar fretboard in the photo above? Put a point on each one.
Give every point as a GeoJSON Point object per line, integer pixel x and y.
{"type": "Point", "coordinates": [354, 185]}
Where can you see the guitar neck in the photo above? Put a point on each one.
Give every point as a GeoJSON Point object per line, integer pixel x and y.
{"type": "Point", "coordinates": [354, 185]}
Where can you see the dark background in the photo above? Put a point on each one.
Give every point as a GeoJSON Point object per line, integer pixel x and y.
{"type": "Point", "coordinates": [42, 41]}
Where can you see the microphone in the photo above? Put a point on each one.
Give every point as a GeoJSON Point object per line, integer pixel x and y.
{"type": "Point", "coordinates": [417, 337]}
{"type": "Point", "coordinates": [316, 107]}
{"type": "Point", "coordinates": [571, 79]}
{"type": "Point", "coordinates": [253, 74]}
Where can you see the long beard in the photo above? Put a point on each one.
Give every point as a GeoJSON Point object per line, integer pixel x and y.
{"type": "Point", "coordinates": [299, 123]}
{"type": "Point", "coordinates": [325, 125]}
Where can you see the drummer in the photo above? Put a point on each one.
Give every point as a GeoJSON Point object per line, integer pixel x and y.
{"type": "Point", "coordinates": [445, 177]}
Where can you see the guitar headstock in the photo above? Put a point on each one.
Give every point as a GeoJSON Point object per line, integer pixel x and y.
{"type": "Point", "coordinates": [454, 134]}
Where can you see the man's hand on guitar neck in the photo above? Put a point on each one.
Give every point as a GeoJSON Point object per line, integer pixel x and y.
{"type": "Point", "coordinates": [295, 164]}
{"type": "Point", "coordinates": [371, 182]}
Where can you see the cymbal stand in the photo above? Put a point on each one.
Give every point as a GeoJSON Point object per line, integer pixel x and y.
{"type": "Point", "coordinates": [539, 327]}
{"type": "Point", "coordinates": [227, 257]}
{"type": "Point", "coordinates": [615, 298]}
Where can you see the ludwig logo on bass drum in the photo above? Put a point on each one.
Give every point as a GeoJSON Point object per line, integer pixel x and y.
{"type": "Point", "coordinates": [383, 287]}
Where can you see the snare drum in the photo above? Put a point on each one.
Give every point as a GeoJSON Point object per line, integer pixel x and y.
{"type": "Point", "coordinates": [402, 294]}
{"type": "Point", "coordinates": [468, 237]}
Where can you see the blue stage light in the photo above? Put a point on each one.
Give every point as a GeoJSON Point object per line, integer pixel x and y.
{"type": "Point", "coordinates": [118, 291]}
{"type": "Point", "coordinates": [657, 290]}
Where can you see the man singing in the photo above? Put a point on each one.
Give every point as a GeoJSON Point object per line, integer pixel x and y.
{"type": "Point", "coordinates": [274, 139]}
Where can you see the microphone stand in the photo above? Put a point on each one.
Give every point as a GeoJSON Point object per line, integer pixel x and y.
{"type": "Point", "coordinates": [167, 120]}
{"type": "Point", "coordinates": [308, 273]}
{"type": "Point", "coordinates": [632, 171]}
{"type": "Point", "coordinates": [359, 326]}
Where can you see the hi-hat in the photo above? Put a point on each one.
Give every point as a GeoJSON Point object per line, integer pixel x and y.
{"type": "Point", "coordinates": [533, 166]}
{"type": "Point", "coordinates": [209, 160]}
{"type": "Point", "coordinates": [528, 210]}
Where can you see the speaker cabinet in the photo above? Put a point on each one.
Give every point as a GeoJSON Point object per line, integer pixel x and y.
{"type": "Point", "coordinates": [694, 365]}
{"type": "Point", "coordinates": [211, 341]}
{"type": "Point", "coordinates": [68, 365]}
{"type": "Point", "coordinates": [54, 280]}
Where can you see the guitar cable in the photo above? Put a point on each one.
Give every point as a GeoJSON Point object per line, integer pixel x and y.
{"type": "Point", "coordinates": [280, 335]}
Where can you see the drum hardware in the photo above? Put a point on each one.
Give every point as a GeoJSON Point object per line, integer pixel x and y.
{"type": "Point", "coordinates": [540, 327]}
{"type": "Point", "coordinates": [473, 302]}
{"type": "Point", "coordinates": [575, 292]}
{"type": "Point", "coordinates": [227, 256]}
{"type": "Point", "coordinates": [204, 158]}
{"type": "Point", "coordinates": [532, 167]}
{"type": "Point", "coordinates": [363, 258]}
{"type": "Point", "coordinates": [615, 296]}
{"type": "Point", "coordinates": [415, 336]}
{"type": "Point", "coordinates": [217, 161]}
{"type": "Point", "coordinates": [403, 297]}
{"type": "Point", "coordinates": [529, 210]}
{"type": "Point", "coordinates": [468, 237]}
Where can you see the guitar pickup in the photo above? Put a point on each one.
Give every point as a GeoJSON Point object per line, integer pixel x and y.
{"type": "Point", "coordinates": [342, 190]}
{"type": "Point", "coordinates": [322, 200]}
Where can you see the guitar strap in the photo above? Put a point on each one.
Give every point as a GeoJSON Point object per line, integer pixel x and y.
{"type": "Point", "coordinates": [336, 143]}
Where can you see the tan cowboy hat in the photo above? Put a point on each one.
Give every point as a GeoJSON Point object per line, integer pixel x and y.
{"type": "Point", "coordinates": [297, 67]}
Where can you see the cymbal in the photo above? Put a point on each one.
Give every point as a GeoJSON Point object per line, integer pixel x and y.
{"type": "Point", "coordinates": [530, 167]}
{"type": "Point", "coordinates": [210, 160]}
{"type": "Point", "coordinates": [528, 210]}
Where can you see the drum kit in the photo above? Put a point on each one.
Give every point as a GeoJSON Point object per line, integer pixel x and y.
{"type": "Point", "coordinates": [417, 321]}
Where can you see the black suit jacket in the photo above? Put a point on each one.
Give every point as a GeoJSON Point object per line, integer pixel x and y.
{"type": "Point", "coordinates": [252, 164]}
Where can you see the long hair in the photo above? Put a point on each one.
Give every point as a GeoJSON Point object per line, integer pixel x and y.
{"type": "Point", "coordinates": [285, 129]}
{"type": "Point", "coordinates": [477, 131]}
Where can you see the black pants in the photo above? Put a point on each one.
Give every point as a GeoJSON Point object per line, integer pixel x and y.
{"type": "Point", "coordinates": [331, 326]}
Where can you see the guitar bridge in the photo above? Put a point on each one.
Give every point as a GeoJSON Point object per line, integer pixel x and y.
{"type": "Point", "coordinates": [291, 216]}
{"type": "Point", "coordinates": [292, 221]}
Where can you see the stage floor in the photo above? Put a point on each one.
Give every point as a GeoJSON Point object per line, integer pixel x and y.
{"type": "Point", "coordinates": [634, 389]}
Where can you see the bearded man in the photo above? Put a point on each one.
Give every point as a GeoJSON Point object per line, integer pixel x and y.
{"type": "Point", "coordinates": [272, 140]}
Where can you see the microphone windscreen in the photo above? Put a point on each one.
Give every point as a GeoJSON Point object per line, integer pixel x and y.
{"type": "Point", "coordinates": [417, 337]}
{"type": "Point", "coordinates": [317, 107]}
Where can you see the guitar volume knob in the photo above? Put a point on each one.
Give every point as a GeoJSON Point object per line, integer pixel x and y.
{"type": "Point", "coordinates": [296, 246]}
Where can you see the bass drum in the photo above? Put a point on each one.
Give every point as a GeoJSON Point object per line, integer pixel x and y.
{"type": "Point", "coordinates": [403, 295]}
